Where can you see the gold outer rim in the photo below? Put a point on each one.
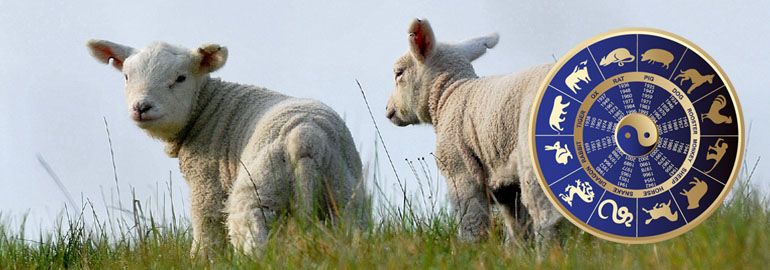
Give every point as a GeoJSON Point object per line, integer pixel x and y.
{"type": "Point", "coordinates": [739, 121]}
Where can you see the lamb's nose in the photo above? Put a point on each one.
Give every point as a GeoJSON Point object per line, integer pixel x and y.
{"type": "Point", "coordinates": [142, 107]}
{"type": "Point", "coordinates": [389, 113]}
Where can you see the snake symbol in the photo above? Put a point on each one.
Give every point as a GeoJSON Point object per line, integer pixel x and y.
{"type": "Point", "coordinates": [619, 215]}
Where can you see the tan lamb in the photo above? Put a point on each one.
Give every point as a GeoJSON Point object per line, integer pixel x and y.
{"type": "Point", "coordinates": [482, 131]}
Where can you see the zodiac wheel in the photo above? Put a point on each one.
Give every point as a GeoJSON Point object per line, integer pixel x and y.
{"type": "Point", "coordinates": [636, 135]}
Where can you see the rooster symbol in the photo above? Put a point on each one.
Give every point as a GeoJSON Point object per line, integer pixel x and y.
{"type": "Point", "coordinates": [717, 105]}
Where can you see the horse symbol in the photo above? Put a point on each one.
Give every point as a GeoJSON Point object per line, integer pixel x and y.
{"type": "Point", "coordinates": [580, 73]}
{"type": "Point", "coordinates": [694, 77]}
{"type": "Point", "coordinates": [583, 189]}
{"type": "Point", "coordinates": [556, 114]}
{"type": "Point", "coordinates": [661, 210]}
{"type": "Point", "coordinates": [619, 215]}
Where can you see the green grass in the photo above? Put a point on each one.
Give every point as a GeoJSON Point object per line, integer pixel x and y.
{"type": "Point", "coordinates": [736, 236]}
{"type": "Point", "coordinates": [416, 233]}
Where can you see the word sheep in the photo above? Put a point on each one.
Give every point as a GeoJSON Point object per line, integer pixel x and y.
{"type": "Point", "coordinates": [482, 130]}
{"type": "Point", "coordinates": [248, 154]}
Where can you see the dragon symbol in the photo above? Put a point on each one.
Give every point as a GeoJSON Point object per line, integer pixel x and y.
{"type": "Point", "coordinates": [583, 189]}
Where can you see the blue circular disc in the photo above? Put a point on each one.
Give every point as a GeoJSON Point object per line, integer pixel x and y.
{"type": "Point", "coordinates": [637, 135]}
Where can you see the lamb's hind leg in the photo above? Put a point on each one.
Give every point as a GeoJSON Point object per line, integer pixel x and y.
{"type": "Point", "coordinates": [470, 207]}
{"type": "Point", "coordinates": [307, 147]}
{"type": "Point", "coordinates": [326, 185]}
{"type": "Point", "coordinates": [544, 215]}
{"type": "Point", "coordinates": [257, 197]}
{"type": "Point", "coordinates": [514, 213]}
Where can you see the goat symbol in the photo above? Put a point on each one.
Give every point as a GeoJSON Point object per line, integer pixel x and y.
{"type": "Point", "coordinates": [695, 193]}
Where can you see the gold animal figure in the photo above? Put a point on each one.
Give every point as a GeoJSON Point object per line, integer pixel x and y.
{"type": "Point", "coordinates": [661, 210]}
{"type": "Point", "coordinates": [695, 77]}
{"type": "Point", "coordinates": [618, 56]}
{"type": "Point", "coordinates": [619, 215]}
{"type": "Point", "coordinates": [557, 112]}
{"type": "Point", "coordinates": [583, 189]}
{"type": "Point", "coordinates": [695, 193]}
{"type": "Point", "coordinates": [562, 153]}
{"type": "Point", "coordinates": [658, 55]}
{"type": "Point", "coordinates": [716, 152]}
{"type": "Point", "coordinates": [713, 114]}
{"type": "Point", "coordinates": [580, 73]}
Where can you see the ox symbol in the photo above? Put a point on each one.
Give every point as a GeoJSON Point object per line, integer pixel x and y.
{"type": "Point", "coordinates": [557, 112]}
{"type": "Point", "coordinates": [661, 210]}
{"type": "Point", "coordinates": [563, 155]}
{"type": "Point", "coordinates": [658, 56]}
{"type": "Point", "coordinates": [714, 115]}
{"type": "Point", "coordinates": [579, 73]}
{"type": "Point", "coordinates": [695, 193]}
{"type": "Point", "coordinates": [694, 77]}
{"type": "Point", "coordinates": [619, 215]}
{"type": "Point", "coordinates": [583, 190]}
{"type": "Point", "coordinates": [619, 56]}
{"type": "Point", "coordinates": [716, 152]}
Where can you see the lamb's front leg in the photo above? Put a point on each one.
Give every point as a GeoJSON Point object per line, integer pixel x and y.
{"type": "Point", "coordinates": [470, 207]}
{"type": "Point", "coordinates": [207, 220]}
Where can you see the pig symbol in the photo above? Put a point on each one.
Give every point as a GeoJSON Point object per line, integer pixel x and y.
{"type": "Point", "coordinates": [658, 55]}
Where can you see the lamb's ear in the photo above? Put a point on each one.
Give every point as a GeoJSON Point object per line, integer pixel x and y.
{"type": "Point", "coordinates": [421, 40]}
{"type": "Point", "coordinates": [104, 50]}
{"type": "Point", "coordinates": [476, 47]}
{"type": "Point", "coordinates": [212, 57]}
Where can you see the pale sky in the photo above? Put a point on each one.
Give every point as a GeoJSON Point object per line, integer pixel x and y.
{"type": "Point", "coordinates": [54, 96]}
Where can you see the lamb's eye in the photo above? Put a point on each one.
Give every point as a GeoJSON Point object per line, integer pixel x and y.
{"type": "Point", "coordinates": [125, 76]}
{"type": "Point", "coordinates": [399, 73]}
{"type": "Point", "coordinates": [180, 79]}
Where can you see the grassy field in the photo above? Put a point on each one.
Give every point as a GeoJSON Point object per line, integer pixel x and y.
{"type": "Point", "coordinates": [415, 233]}
{"type": "Point", "coordinates": [737, 236]}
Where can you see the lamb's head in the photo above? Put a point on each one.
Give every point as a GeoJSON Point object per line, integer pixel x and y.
{"type": "Point", "coordinates": [428, 66]}
{"type": "Point", "coordinates": [162, 81]}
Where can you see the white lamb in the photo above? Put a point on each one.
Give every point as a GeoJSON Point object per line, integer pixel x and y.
{"type": "Point", "coordinates": [482, 129]}
{"type": "Point", "coordinates": [247, 153]}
